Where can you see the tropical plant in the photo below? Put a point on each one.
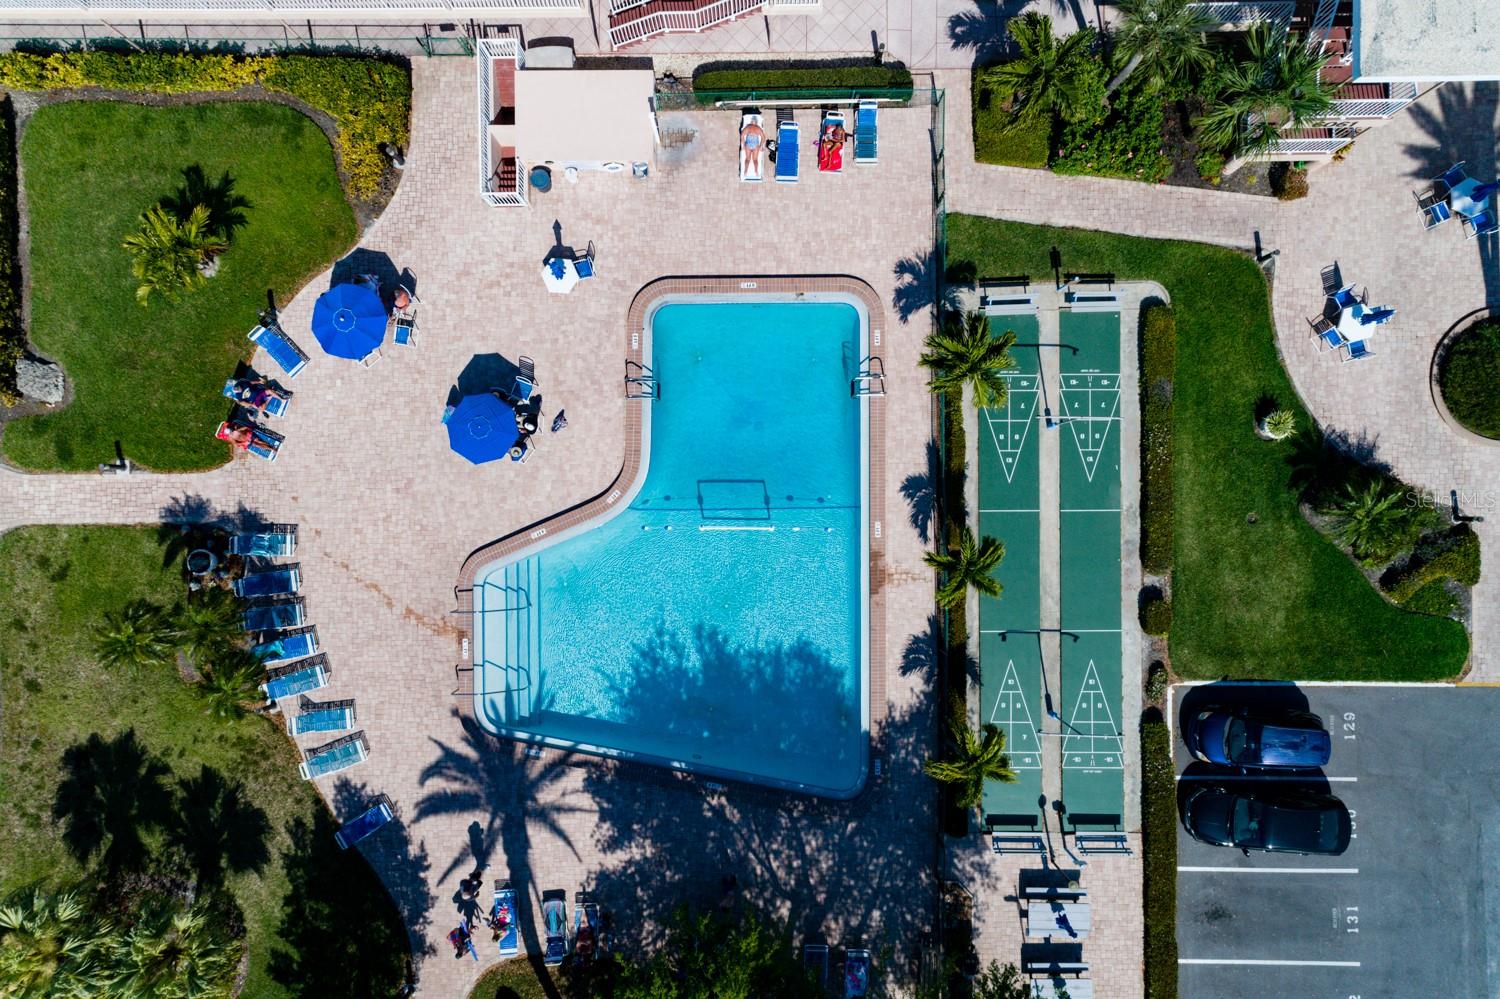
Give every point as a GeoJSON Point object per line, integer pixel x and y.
{"type": "Point", "coordinates": [49, 946]}
{"type": "Point", "coordinates": [999, 981]}
{"type": "Point", "coordinates": [1279, 424]}
{"type": "Point", "coordinates": [208, 624]}
{"type": "Point", "coordinates": [169, 953]}
{"type": "Point", "coordinates": [225, 207]}
{"type": "Point", "coordinates": [1279, 85]}
{"type": "Point", "coordinates": [1045, 78]}
{"type": "Point", "coordinates": [168, 253]}
{"type": "Point", "coordinates": [137, 636]}
{"type": "Point", "coordinates": [974, 760]}
{"type": "Point", "coordinates": [1166, 41]}
{"type": "Point", "coordinates": [964, 353]}
{"type": "Point", "coordinates": [1374, 520]}
{"type": "Point", "coordinates": [735, 956]}
{"type": "Point", "coordinates": [231, 678]}
{"type": "Point", "coordinates": [971, 563]}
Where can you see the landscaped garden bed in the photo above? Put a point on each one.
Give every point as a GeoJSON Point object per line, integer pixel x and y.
{"type": "Point", "coordinates": [1252, 578]}
{"type": "Point", "coordinates": [1468, 375]}
{"type": "Point", "coordinates": [743, 81]}
{"type": "Point", "coordinates": [119, 782]}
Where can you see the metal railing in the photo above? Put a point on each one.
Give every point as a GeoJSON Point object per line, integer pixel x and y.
{"type": "Point", "coordinates": [1240, 12]}
{"type": "Point", "coordinates": [491, 49]}
{"type": "Point", "coordinates": [1320, 146]}
{"type": "Point", "coordinates": [664, 22]}
{"type": "Point", "coordinates": [691, 100]}
{"type": "Point", "coordinates": [431, 39]}
{"type": "Point", "coordinates": [1399, 95]}
{"type": "Point", "coordinates": [551, 8]}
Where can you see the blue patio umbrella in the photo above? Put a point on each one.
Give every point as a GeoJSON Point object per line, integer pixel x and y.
{"type": "Point", "coordinates": [482, 428]}
{"type": "Point", "coordinates": [349, 321]}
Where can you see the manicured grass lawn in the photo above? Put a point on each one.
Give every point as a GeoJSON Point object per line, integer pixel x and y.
{"type": "Point", "coordinates": [1271, 599]}
{"type": "Point", "coordinates": [150, 377]}
{"type": "Point", "coordinates": [513, 979]}
{"type": "Point", "coordinates": [55, 583]}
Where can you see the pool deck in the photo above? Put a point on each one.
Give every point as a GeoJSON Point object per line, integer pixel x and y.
{"type": "Point", "coordinates": [388, 515]}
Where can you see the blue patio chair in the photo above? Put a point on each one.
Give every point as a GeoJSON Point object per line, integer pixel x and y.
{"type": "Point", "coordinates": [280, 348]}
{"type": "Point", "coordinates": [525, 381]}
{"type": "Point", "coordinates": [365, 823]}
{"type": "Point", "coordinates": [1344, 298]}
{"type": "Point", "coordinates": [1325, 333]}
{"type": "Point", "coordinates": [300, 677]}
{"type": "Point", "coordinates": [866, 134]}
{"type": "Point", "coordinates": [274, 617]}
{"type": "Point", "coordinates": [341, 754]}
{"type": "Point", "coordinates": [1356, 349]}
{"type": "Point", "coordinates": [788, 146]}
{"type": "Point", "coordinates": [1481, 225]}
{"type": "Point", "coordinates": [278, 542]}
{"type": "Point", "coordinates": [282, 581]}
{"type": "Point", "coordinates": [325, 716]}
{"type": "Point", "coordinates": [1433, 209]}
{"type": "Point", "coordinates": [404, 322]}
{"type": "Point", "coordinates": [583, 263]}
{"type": "Point", "coordinates": [298, 644]}
{"type": "Point", "coordinates": [1453, 176]}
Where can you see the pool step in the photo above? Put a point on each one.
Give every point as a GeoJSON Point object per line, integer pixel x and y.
{"type": "Point", "coordinates": [519, 637]}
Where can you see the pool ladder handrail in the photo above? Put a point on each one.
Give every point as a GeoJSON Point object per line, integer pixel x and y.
{"type": "Point", "coordinates": [642, 384]}
{"type": "Point", "coordinates": [871, 378]}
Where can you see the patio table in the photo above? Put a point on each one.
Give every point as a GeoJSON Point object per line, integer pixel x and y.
{"type": "Point", "coordinates": [1349, 324]}
{"type": "Point", "coordinates": [1461, 199]}
{"type": "Point", "coordinates": [1068, 920]}
{"type": "Point", "coordinates": [559, 283]}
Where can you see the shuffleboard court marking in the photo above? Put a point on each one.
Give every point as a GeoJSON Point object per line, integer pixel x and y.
{"type": "Point", "coordinates": [1012, 714]}
{"type": "Point", "coordinates": [1009, 425]}
{"type": "Point", "coordinates": [1265, 962]}
{"type": "Point", "coordinates": [1092, 742]}
{"type": "Point", "coordinates": [1090, 403]}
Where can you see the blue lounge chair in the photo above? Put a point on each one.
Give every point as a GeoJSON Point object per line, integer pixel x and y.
{"type": "Point", "coordinates": [280, 348]}
{"type": "Point", "coordinates": [788, 147]}
{"type": "Point", "coordinates": [503, 918]}
{"type": "Point", "coordinates": [588, 938]}
{"type": "Point", "coordinates": [274, 617]}
{"type": "Point", "coordinates": [287, 646]}
{"type": "Point", "coordinates": [276, 404]}
{"type": "Point", "coordinates": [334, 757]}
{"type": "Point", "coordinates": [296, 678]}
{"type": "Point", "coordinates": [278, 542]}
{"type": "Point", "coordinates": [815, 962]}
{"type": "Point", "coordinates": [856, 973]}
{"type": "Point", "coordinates": [283, 581]}
{"type": "Point", "coordinates": [555, 923]}
{"type": "Point", "coordinates": [1356, 349]}
{"type": "Point", "coordinates": [263, 443]}
{"type": "Point", "coordinates": [365, 823]}
{"type": "Point", "coordinates": [866, 134]}
{"type": "Point", "coordinates": [324, 716]}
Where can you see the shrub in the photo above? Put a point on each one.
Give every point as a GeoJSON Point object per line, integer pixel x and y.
{"type": "Point", "coordinates": [1159, 846]}
{"type": "Point", "coordinates": [12, 332]}
{"type": "Point", "coordinates": [716, 84]}
{"type": "Point", "coordinates": [368, 99]}
{"type": "Point", "coordinates": [1156, 614]}
{"type": "Point", "coordinates": [1156, 682]}
{"type": "Point", "coordinates": [1469, 378]}
{"type": "Point", "coordinates": [1287, 182]}
{"type": "Point", "coordinates": [1002, 139]}
{"type": "Point", "coordinates": [1453, 554]}
{"type": "Point", "coordinates": [1279, 424]}
{"type": "Point", "coordinates": [1124, 140]}
{"type": "Point", "coordinates": [1210, 164]}
{"type": "Point", "coordinates": [1158, 367]}
{"type": "Point", "coordinates": [1433, 599]}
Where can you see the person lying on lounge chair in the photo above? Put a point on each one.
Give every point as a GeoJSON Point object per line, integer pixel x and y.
{"type": "Point", "coordinates": [238, 434]}
{"type": "Point", "coordinates": [833, 134]}
{"type": "Point", "coordinates": [255, 392]}
{"type": "Point", "coordinates": [754, 139]}
{"type": "Point", "coordinates": [401, 299]}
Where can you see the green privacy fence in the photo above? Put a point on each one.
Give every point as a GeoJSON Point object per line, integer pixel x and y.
{"type": "Point", "coordinates": [686, 100]}
{"type": "Point", "coordinates": [449, 39]}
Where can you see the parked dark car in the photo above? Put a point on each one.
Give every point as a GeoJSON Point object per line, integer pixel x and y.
{"type": "Point", "coordinates": [1267, 740]}
{"type": "Point", "coordinates": [1272, 820]}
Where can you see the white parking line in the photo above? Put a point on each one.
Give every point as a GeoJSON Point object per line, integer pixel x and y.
{"type": "Point", "coordinates": [1293, 777]}
{"type": "Point", "coordinates": [1285, 964]}
{"type": "Point", "coordinates": [1268, 870]}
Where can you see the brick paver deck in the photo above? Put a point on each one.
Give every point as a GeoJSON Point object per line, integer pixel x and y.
{"type": "Point", "coordinates": [388, 515]}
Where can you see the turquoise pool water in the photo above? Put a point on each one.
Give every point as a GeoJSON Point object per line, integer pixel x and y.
{"type": "Point", "coordinates": [716, 623]}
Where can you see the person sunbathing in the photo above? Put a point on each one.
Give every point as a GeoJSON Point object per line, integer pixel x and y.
{"type": "Point", "coordinates": [240, 435]}
{"type": "Point", "coordinates": [255, 392]}
{"type": "Point", "coordinates": [753, 138]}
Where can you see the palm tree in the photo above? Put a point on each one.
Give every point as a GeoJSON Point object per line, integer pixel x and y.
{"type": "Point", "coordinates": [1166, 40]}
{"type": "Point", "coordinates": [173, 954]}
{"type": "Point", "coordinates": [231, 678]}
{"type": "Point", "coordinates": [964, 353]}
{"type": "Point", "coordinates": [1279, 424]}
{"type": "Point", "coordinates": [974, 761]}
{"type": "Point", "coordinates": [209, 624]}
{"type": "Point", "coordinates": [1047, 77]}
{"type": "Point", "coordinates": [138, 635]}
{"type": "Point", "coordinates": [1374, 521]}
{"type": "Point", "coordinates": [1279, 86]}
{"type": "Point", "coordinates": [48, 946]}
{"type": "Point", "coordinates": [970, 564]}
{"type": "Point", "coordinates": [169, 253]}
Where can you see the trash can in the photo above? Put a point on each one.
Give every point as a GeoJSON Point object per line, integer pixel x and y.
{"type": "Point", "coordinates": [541, 179]}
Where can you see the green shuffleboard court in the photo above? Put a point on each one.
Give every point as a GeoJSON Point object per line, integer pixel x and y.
{"type": "Point", "coordinates": [1089, 525]}
{"type": "Point", "coordinates": [1010, 661]}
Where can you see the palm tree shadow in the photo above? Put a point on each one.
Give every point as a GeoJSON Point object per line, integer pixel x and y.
{"type": "Point", "coordinates": [225, 207]}
{"type": "Point", "coordinates": [1463, 130]}
{"type": "Point", "coordinates": [919, 285]}
{"type": "Point", "coordinates": [218, 828]}
{"type": "Point", "coordinates": [919, 489]}
{"type": "Point", "coordinates": [113, 792]}
{"type": "Point", "coordinates": [984, 29]}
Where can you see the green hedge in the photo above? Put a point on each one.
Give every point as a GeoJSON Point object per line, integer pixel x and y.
{"type": "Point", "coordinates": [1003, 140]}
{"type": "Point", "coordinates": [712, 85]}
{"type": "Point", "coordinates": [12, 332]}
{"type": "Point", "coordinates": [1156, 615]}
{"type": "Point", "coordinates": [1122, 140]}
{"type": "Point", "coordinates": [368, 99]}
{"type": "Point", "coordinates": [1158, 369]}
{"type": "Point", "coordinates": [1470, 378]}
{"type": "Point", "coordinates": [1159, 844]}
{"type": "Point", "coordinates": [1433, 599]}
{"type": "Point", "coordinates": [1453, 554]}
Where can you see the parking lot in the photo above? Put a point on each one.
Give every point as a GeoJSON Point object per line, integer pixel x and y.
{"type": "Point", "coordinates": [1411, 908]}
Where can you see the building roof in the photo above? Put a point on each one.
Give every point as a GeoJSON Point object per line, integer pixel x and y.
{"type": "Point", "coordinates": [1420, 40]}
{"type": "Point", "coordinates": [584, 115]}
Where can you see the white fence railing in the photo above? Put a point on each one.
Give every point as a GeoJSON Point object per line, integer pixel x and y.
{"type": "Point", "coordinates": [664, 22]}
{"type": "Point", "coordinates": [513, 8]}
{"type": "Point", "coordinates": [1399, 96]}
{"type": "Point", "coordinates": [1241, 12]}
{"type": "Point", "coordinates": [1319, 146]}
{"type": "Point", "coordinates": [487, 51]}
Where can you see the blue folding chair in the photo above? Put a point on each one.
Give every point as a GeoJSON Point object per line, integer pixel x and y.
{"type": "Point", "coordinates": [583, 263]}
{"type": "Point", "coordinates": [1356, 349]}
{"type": "Point", "coordinates": [1326, 333]}
{"type": "Point", "coordinates": [1480, 225]}
{"type": "Point", "coordinates": [280, 348]}
{"type": "Point", "coordinates": [1453, 176]}
{"type": "Point", "coordinates": [1345, 298]}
